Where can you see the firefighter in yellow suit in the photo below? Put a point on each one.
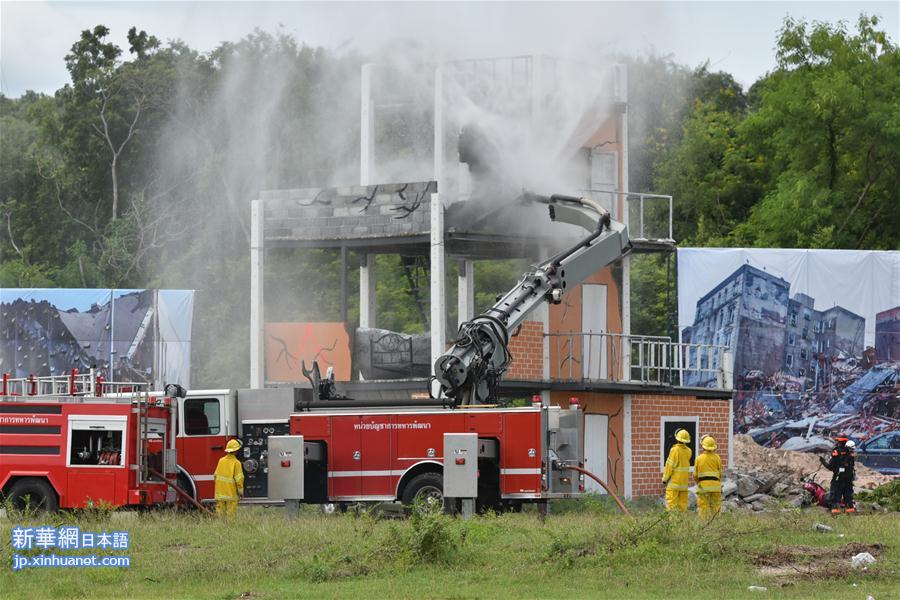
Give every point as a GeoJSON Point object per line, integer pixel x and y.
{"type": "Point", "coordinates": [677, 473]}
{"type": "Point", "coordinates": [708, 475]}
{"type": "Point", "coordinates": [229, 481]}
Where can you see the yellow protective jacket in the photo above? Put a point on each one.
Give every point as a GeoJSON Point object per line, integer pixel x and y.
{"type": "Point", "coordinates": [229, 479]}
{"type": "Point", "coordinates": [708, 472]}
{"type": "Point", "coordinates": [677, 475]}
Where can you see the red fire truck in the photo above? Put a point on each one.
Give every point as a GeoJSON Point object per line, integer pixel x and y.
{"type": "Point", "coordinates": [398, 454]}
{"type": "Point", "coordinates": [65, 444]}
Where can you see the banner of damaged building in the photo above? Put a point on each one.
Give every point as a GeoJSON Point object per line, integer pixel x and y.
{"type": "Point", "coordinates": [814, 335]}
{"type": "Point", "coordinates": [127, 335]}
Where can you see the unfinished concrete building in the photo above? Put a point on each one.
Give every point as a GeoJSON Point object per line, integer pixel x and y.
{"type": "Point", "coordinates": [457, 209]}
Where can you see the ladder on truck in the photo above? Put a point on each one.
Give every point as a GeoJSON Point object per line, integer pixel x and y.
{"type": "Point", "coordinates": [142, 402]}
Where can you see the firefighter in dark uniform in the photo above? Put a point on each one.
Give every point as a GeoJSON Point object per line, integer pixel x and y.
{"type": "Point", "coordinates": [841, 464]}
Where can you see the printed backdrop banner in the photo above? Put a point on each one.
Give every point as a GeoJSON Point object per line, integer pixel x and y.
{"type": "Point", "coordinates": [129, 335]}
{"type": "Point", "coordinates": [814, 336]}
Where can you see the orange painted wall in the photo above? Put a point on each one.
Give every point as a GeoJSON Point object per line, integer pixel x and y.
{"type": "Point", "coordinates": [565, 351]}
{"type": "Point", "coordinates": [289, 344]}
{"type": "Point", "coordinates": [611, 405]}
{"type": "Point", "coordinates": [608, 138]}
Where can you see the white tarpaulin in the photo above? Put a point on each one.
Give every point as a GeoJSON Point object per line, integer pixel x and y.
{"type": "Point", "coordinates": [176, 314]}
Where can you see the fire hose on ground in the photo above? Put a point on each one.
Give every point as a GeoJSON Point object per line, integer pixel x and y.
{"type": "Point", "coordinates": [601, 482]}
{"type": "Point", "coordinates": [180, 491]}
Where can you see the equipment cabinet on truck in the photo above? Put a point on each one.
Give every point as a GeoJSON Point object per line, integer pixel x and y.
{"type": "Point", "coordinates": [63, 444]}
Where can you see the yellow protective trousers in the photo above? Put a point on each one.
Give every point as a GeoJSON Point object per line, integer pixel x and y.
{"type": "Point", "coordinates": [676, 500]}
{"type": "Point", "coordinates": [709, 504]}
{"type": "Point", "coordinates": [226, 508]}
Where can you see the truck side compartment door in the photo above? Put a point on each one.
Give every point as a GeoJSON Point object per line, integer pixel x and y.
{"type": "Point", "coordinates": [376, 447]}
{"type": "Point", "coordinates": [345, 458]}
{"type": "Point", "coordinates": [520, 455]}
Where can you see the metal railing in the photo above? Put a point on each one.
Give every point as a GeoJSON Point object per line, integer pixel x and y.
{"type": "Point", "coordinates": [649, 215]}
{"type": "Point", "coordinates": [70, 384]}
{"type": "Point", "coordinates": [616, 357]}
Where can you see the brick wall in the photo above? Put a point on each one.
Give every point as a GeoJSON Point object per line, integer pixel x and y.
{"type": "Point", "coordinates": [527, 350]}
{"type": "Point", "coordinates": [646, 413]}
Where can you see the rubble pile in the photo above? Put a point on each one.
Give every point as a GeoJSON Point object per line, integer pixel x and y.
{"type": "Point", "coordinates": [762, 490]}
{"type": "Point", "coordinates": [765, 478]}
{"type": "Point", "coordinates": [750, 456]}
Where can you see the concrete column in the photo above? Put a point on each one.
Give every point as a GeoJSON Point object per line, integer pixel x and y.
{"type": "Point", "coordinates": [537, 92]}
{"type": "Point", "coordinates": [622, 84]}
{"type": "Point", "coordinates": [439, 131]}
{"type": "Point", "coordinates": [257, 320]}
{"type": "Point", "coordinates": [367, 127]}
{"type": "Point", "coordinates": [367, 291]}
{"type": "Point", "coordinates": [465, 291]}
{"type": "Point", "coordinates": [344, 285]}
{"type": "Point", "coordinates": [438, 293]}
{"type": "Point", "coordinates": [544, 316]}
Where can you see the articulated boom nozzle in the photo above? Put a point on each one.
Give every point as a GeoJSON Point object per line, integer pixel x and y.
{"type": "Point", "coordinates": [470, 371]}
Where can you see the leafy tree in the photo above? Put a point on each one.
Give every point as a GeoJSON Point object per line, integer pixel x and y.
{"type": "Point", "coordinates": [827, 128]}
{"type": "Point", "coordinates": [713, 177]}
{"type": "Point", "coordinates": [115, 95]}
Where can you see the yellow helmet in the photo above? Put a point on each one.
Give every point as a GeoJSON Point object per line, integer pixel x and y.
{"type": "Point", "coordinates": [708, 443]}
{"type": "Point", "coordinates": [233, 446]}
{"type": "Point", "coordinates": [682, 435]}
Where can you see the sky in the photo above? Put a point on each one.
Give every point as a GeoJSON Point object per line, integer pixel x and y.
{"type": "Point", "coordinates": [737, 37]}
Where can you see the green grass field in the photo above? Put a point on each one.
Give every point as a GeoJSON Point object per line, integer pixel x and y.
{"type": "Point", "coordinates": [590, 553]}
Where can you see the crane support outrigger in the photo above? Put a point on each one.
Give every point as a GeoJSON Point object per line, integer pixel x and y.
{"type": "Point", "coordinates": [468, 373]}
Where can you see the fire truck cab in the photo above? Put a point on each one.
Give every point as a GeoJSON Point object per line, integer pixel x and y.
{"type": "Point", "coordinates": [207, 419]}
{"type": "Point", "coordinates": [65, 444]}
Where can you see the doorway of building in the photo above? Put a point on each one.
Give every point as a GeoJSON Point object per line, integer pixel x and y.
{"type": "Point", "coordinates": [672, 424]}
{"type": "Point", "coordinates": [593, 325]}
{"type": "Point", "coordinates": [596, 443]}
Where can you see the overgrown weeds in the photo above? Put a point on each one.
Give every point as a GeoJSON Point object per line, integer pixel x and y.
{"type": "Point", "coordinates": [887, 495]}
{"type": "Point", "coordinates": [430, 554]}
{"type": "Point", "coordinates": [431, 538]}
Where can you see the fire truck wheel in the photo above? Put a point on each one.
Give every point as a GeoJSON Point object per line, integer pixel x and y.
{"type": "Point", "coordinates": [425, 487]}
{"type": "Point", "coordinates": [32, 493]}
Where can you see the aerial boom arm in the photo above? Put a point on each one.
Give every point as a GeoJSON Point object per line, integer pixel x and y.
{"type": "Point", "coordinates": [470, 370]}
